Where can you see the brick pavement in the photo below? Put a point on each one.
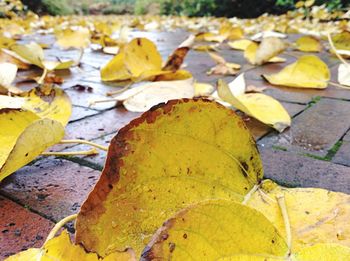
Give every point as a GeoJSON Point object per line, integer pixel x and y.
{"type": "Point", "coordinates": [315, 151]}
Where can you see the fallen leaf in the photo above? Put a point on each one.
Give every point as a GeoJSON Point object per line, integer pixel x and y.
{"type": "Point", "coordinates": [217, 230]}
{"type": "Point", "coordinates": [260, 106]}
{"type": "Point", "coordinates": [61, 248]}
{"type": "Point", "coordinates": [203, 89]}
{"type": "Point", "coordinates": [7, 56]}
{"type": "Point", "coordinates": [144, 96]}
{"type": "Point", "coordinates": [189, 144]}
{"type": "Point", "coordinates": [311, 222]}
{"type": "Point", "coordinates": [264, 52]}
{"type": "Point", "coordinates": [222, 67]}
{"type": "Point", "coordinates": [34, 54]}
{"type": "Point", "coordinates": [308, 44]}
{"type": "Point", "coordinates": [308, 71]}
{"type": "Point", "coordinates": [74, 37]}
{"type": "Point", "coordinates": [24, 136]}
{"type": "Point", "coordinates": [224, 230]}
{"type": "Point", "coordinates": [140, 60]}
{"type": "Point", "coordinates": [8, 72]}
{"type": "Point", "coordinates": [344, 74]}
{"type": "Point", "coordinates": [240, 44]}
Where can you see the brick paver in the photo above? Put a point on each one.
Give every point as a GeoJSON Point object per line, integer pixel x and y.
{"type": "Point", "coordinates": [20, 228]}
{"type": "Point", "coordinates": [52, 187]}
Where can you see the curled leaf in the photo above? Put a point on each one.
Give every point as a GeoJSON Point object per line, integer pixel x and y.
{"type": "Point", "coordinates": [260, 106]}
{"type": "Point", "coordinates": [24, 136]}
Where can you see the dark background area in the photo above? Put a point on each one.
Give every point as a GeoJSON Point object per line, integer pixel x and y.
{"type": "Point", "coordinates": [228, 8]}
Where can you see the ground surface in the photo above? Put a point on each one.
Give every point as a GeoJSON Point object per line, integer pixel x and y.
{"type": "Point", "coordinates": [314, 152]}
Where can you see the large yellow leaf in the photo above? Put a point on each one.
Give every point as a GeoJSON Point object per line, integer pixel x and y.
{"type": "Point", "coordinates": [173, 156]}
{"type": "Point", "coordinates": [60, 248]}
{"type": "Point", "coordinates": [316, 215]}
{"type": "Point", "coordinates": [216, 229]}
{"type": "Point", "coordinates": [24, 136]}
{"type": "Point", "coordinates": [224, 230]}
{"type": "Point", "coordinates": [308, 71]}
{"type": "Point", "coordinates": [258, 105]}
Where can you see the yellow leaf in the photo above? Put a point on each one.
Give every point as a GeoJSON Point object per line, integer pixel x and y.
{"type": "Point", "coordinates": [24, 136]}
{"type": "Point", "coordinates": [205, 48]}
{"type": "Point", "coordinates": [7, 56]}
{"type": "Point", "coordinates": [316, 215]}
{"type": "Point", "coordinates": [240, 44]}
{"type": "Point", "coordinates": [215, 230]}
{"type": "Point", "coordinates": [48, 102]}
{"type": "Point", "coordinates": [227, 231]}
{"type": "Point", "coordinates": [60, 248]}
{"type": "Point", "coordinates": [34, 54]}
{"type": "Point", "coordinates": [231, 32]}
{"type": "Point", "coordinates": [31, 52]}
{"type": "Point", "coordinates": [308, 44]}
{"type": "Point", "coordinates": [260, 106]}
{"type": "Point", "coordinates": [140, 60]}
{"type": "Point", "coordinates": [189, 144]}
{"type": "Point", "coordinates": [144, 96]}
{"type": "Point", "coordinates": [299, 4]}
{"type": "Point", "coordinates": [324, 252]}
{"type": "Point", "coordinates": [341, 41]}
{"type": "Point", "coordinates": [78, 37]}
{"type": "Point", "coordinates": [203, 89]}
{"type": "Point", "coordinates": [210, 37]}
{"type": "Point", "coordinates": [8, 72]}
{"type": "Point", "coordinates": [115, 69]}
{"type": "Point", "coordinates": [268, 49]}
{"type": "Point", "coordinates": [142, 55]}
{"type": "Point", "coordinates": [309, 3]}
{"type": "Point", "coordinates": [32, 254]}
{"type": "Point", "coordinates": [308, 71]}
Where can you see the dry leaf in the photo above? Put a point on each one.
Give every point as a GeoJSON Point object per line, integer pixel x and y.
{"type": "Point", "coordinates": [260, 106]}
{"type": "Point", "coordinates": [308, 71]}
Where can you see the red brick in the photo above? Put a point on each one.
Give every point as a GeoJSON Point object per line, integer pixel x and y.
{"type": "Point", "coordinates": [20, 229]}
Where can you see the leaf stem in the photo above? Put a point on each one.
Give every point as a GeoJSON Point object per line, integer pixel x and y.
{"type": "Point", "coordinates": [282, 205]}
{"type": "Point", "coordinates": [250, 194]}
{"type": "Point", "coordinates": [92, 151]}
{"type": "Point", "coordinates": [335, 50]}
{"type": "Point", "coordinates": [81, 54]}
{"type": "Point", "coordinates": [92, 103]}
{"type": "Point", "coordinates": [43, 76]}
{"type": "Point", "coordinates": [85, 142]}
{"type": "Point", "coordinates": [339, 85]}
{"type": "Point", "coordinates": [119, 91]}
{"type": "Point", "coordinates": [58, 226]}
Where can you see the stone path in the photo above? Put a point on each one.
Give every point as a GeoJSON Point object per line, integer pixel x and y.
{"type": "Point", "coordinates": [315, 151]}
